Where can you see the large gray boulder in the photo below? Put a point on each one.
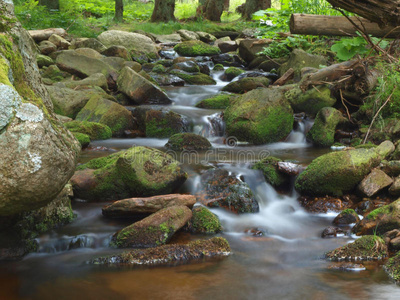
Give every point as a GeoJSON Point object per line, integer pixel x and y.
{"type": "Point", "coordinates": [40, 154]}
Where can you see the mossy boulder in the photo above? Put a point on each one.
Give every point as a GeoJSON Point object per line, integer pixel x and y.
{"type": "Point", "coordinates": [367, 247]}
{"type": "Point", "coordinates": [136, 172]}
{"type": "Point", "coordinates": [53, 73]}
{"type": "Point", "coordinates": [188, 141]}
{"type": "Point", "coordinates": [196, 48]}
{"type": "Point", "coordinates": [218, 67]}
{"type": "Point", "coordinates": [194, 78]}
{"type": "Point", "coordinates": [155, 230]}
{"type": "Point", "coordinates": [82, 138]}
{"type": "Point", "coordinates": [203, 221]}
{"type": "Point", "coordinates": [346, 217]}
{"type": "Point", "coordinates": [107, 112]}
{"type": "Point", "coordinates": [269, 168]}
{"type": "Point", "coordinates": [95, 131]}
{"type": "Point", "coordinates": [95, 80]}
{"type": "Point", "coordinates": [220, 101]}
{"type": "Point", "coordinates": [163, 124]}
{"type": "Point", "coordinates": [260, 116]}
{"type": "Point", "coordinates": [394, 189]}
{"type": "Point", "coordinates": [43, 60]}
{"type": "Point", "coordinates": [337, 172]}
{"type": "Point", "coordinates": [246, 84]}
{"type": "Point", "coordinates": [380, 220]}
{"type": "Point", "coordinates": [220, 189]}
{"type": "Point", "coordinates": [187, 66]}
{"type": "Point", "coordinates": [311, 101]}
{"type": "Point", "coordinates": [167, 254]}
{"type": "Point", "coordinates": [232, 72]}
{"type": "Point", "coordinates": [374, 182]}
{"type": "Point", "coordinates": [322, 133]}
{"type": "Point", "coordinates": [392, 267]}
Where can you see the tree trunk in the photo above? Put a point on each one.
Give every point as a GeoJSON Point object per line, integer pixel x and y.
{"type": "Point", "coordinates": [226, 5]}
{"type": "Point", "coordinates": [383, 12]}
{"type": "Point", "coordinates": [50, 4]}
{"type": "Point", "coordinates": [337, 25]}
{"type": "Point", "coordinates": [213, 10]}
{"type": "Point", "coordinates": [251, 6]}
{"type": "Point", "coordinates": [202, 2]}
{"type": "Point", "coordinates": [163, 11]}
{"type": "Point", "coordinates": [119, 10]}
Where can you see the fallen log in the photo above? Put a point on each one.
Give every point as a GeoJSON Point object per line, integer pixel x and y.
{"type": "Point", "coordinates": [44, 34]}
{"type": "Point", "coordinates": [337, 26]}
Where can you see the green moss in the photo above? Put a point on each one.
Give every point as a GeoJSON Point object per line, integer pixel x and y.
{"type": "Point", "coordinates": [384, 210]}
{"type": "Point", "coordinates": [158, 68]}
{"type": "Point", "coordinates": [348, 211]}
{"type": "Point", "coordinates": [196, 48]}
{"type": "Point", "coordinates": [204, 221]}
{"type": "Point", "coordinates": [246, 84]}
{"type": "Point", "coordinates": [233, 72]}
{"type": "Point", "coordinates": [218, 67]}
{"type": "Point", "coordinates": [195, 78]}
{"type": "Point", "coordinates": [82, 138]}
{"type": "Point", "coordinates": [392, 267]}
{"type": "Point", "coordinates": [220, 101]}
{"type": "Point", "coordinates": [163, 125]}
{"type": "Point", "coordinates": [268, 166]}
{"type": "Point", "coordinates": [95, 131]}
{"type": "Point", "coordinates": [188, 141]}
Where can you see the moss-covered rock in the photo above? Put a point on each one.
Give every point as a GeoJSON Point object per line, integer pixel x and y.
{"type": "Point", "coordinates": [188, 141]}
{"type": "Point", "coordinates": [187, 66]}
{"type": "Point", "coordinates": [136, 172]}
{"type": "Point", "coordinates": [346, 217]}
{"type": "Point", "coordinates": [269, 168]}
{"type": "Point", "coordinates": [54, 73]}
{"type": "Point", "coordinates": [203, 221]}
{"type": "Point", "coordinates": [380, 220]}
{"type": "Point", "coordinates": [43, 60]}
{"type": "Point", "coordinates": [220, 101]}
{"type": "Point", "coordinates": [107, 112]}
{"type": "Point", "coordinates": [218, 67]}
{"type": "Point", "coordinates": [82, 138]}
{"type": "Point", "coordinates": [194, 78]}
{"type": "Point", "coordinates": [365, 248]}
{"type": "Point", "coordinates": [260, 116]}
{"type": "Point", "coordinates": [375, 182]}
{"type": "Point", "coordinates": [392, 267]}
{"type": "Point", "coordinates": [322, 133]}
{"type": "Point", "coordinates": [166, 254]}
{"type": "Point", "coordinates": [163, 124]}
{"type": "Point", "coordinates": [95, 131]}
{"type": "Point", "coordinates": [246, 84]}
{"type": "Point", "coordinates": [155, 230]}
{"type": "Point", "coordinates": [232, 72]}
{"type": "Point", "coordinates": [196, 48]}
{"type": "Point", "coordinates": [311, 101]}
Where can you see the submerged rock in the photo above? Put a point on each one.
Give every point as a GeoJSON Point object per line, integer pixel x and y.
{"type": "Point", "coordinates": [368, 247]}
{"type": "Point", "coordinates": [219, 189]}
{"type": "Point", "coordinates": [188, 141]}
{"type": "Point", "coordinates": [196, 48]}
{"type": "Point", "coordinates": [136, 172]}
{"type": "Point", "coordinates": [331, 232]}
{"type": "Point", "coordinates": [132, 206]}
{"type": "Point", "coordinates": [155, 230]}
{"type": "Point", "coordinates": [213, 247]}
{"type": "Point", "coordinates": [346, 217]}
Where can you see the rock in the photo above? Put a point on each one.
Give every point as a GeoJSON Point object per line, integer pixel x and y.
{"type": "Point", "coordinates": [196, 48]}
{"type": "Point", "coordinates": [59, 41]}
{"type": "Point", "coordinates": [230, 60]}
{"type": "Point", "coordinates": [385, 149]}
{"type": "Point", "coordinates": [289, 168]}
{"type": "Point", "coordinates": [40, 154]}
{"type": "Point", "coordinates": [43, 60]}
{"type": "Point", "coordinates": [135, 42]}
{"type": "Point", "coordinates": [299, 59]}
{"type": "Point", "coordinates": [188, 141]}
{"type": "Point", "coordinates": [375, 181]}
{"type": "Point", "coordinates": [68, 102]}
{"type": "Point", "coordinates": [228, 46]}
{"type": "Point", "coordinates": [54, 73]}
{"type": "Point", "coordinates": [232, 72]}
{"type": "Point", "coordinates": [347, 266]}
{"type": "Point", "coordinates": [218, 67]}
{"type": "Point", "coordinates": [195, 78]}
{"type": "Point", "coordinates": [82, 138]}
{"type": "Point", "coordinates": [167, 79]}
{"type": "Point", "coordinates": [365, 206]}
{"type": "Point", "coordinates": [324, 204]}
{"type": "Point", "coordinates": [269, 167]}
{"type": "Point", "coordinates": [203, 221]}
{"type": "Point", "coordinates": [337, 172]}
{"type": "Point", "coordinates": [117, 51]}
{"type": "Point", "coordinates": [94, 80]}
{"type": "Point", "coordinates": [219, 189]}
{"type": "Point", "coordinates": [187, 66]}
{"type": "Point", "coordinates": [168, 254]}
{"type": "Point", "coordinates": [95, 131]}
{"type": "Point", "coordinates": [392, 168]}
{"type": "Point", "coordinates": [380, 220]}
{"type": "Point", "coordinates": [249, 48]}
{"type": "Point", "coordinates": [164, 124]}
{"type": "Point", "coordinates": [220, 101]}
{"type": "Point", "coordinates": [322, 133]}
{"type": "Point", "coordinates": [136, 172]}
{"type": "Point", "coordinates": [88, 52]}
{"type": "Point", "coordinates": [346, 217]}
{"type": "Point", "coordinates": [246, 84]}
{"type": "Point", "coordinates": [311, 101]}
{"type": "Point", "coordinates": [188, 35]}
{"type": "Point", "coordinates": [133, 206]}
{"type": "Point", "coordinates": [92, 43]}
{"type": "Point", "coordinates": [206, 37]}
{"type": "Point", "coordinates": [155, 230]}
{"type": "Point", "coordinates": [135, 66]}
{"type": "Point", "coordinates": [139, 89]}
{"type": "Point", "coordinates": [101, 110]}
{"type": "Point", "coordinates": [47, 47]}
{"type": "Point", "coordinates": [395, 187]}
{"type": "Point", "coordinates": [260, 116]}
{"type": "Point", "coordinates": [392, 267]}
{"type": "Point", "coordinates": [331, 232]}
{"type": "Point", "coordinates": [168, 38]}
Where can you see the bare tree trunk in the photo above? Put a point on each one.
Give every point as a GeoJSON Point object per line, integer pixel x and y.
{"type": "Point", "coordinates": [251, 6]}
{"type": "Point", "coordinates": [163, 11]}
{"type": "Point", "coordinates": [226, 5]}
{"type": "Point", "coordinates": [383, 12]}
{"type": "Point", "coordinates": [213, 10]}
{"type": "Point", "coordinates": [119, 10]}
{"type": "Point", "coordinates": [50, 4]}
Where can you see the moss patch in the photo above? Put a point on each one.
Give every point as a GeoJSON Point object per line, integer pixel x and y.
{"type": "Point", "coordinates": [188, 141]}
{"type": "Point", "coordinates": [220, 101]}
{"type": "Point", "coordinates": [204, 221]}
{"type": "Point", "coordinates": [196, 48]}
{"type": "Point", "coordinates": [269, 168]}
{"type": "Point", "coordinates": [95, 131]}
{"type": "Point", "coordinates": [82, 138]}
{"type": "Point", "coordinates": [246, 84]}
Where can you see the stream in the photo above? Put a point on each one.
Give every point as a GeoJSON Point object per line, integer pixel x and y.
{"type": "Point", "coordinates": [286, 262]}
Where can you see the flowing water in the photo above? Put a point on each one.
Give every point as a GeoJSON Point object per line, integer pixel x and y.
{"type": "Point", "coordinates": [277, 253]}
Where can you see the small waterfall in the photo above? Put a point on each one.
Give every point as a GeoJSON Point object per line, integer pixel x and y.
{"type": "Point", "coordinates": [298, 135]}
